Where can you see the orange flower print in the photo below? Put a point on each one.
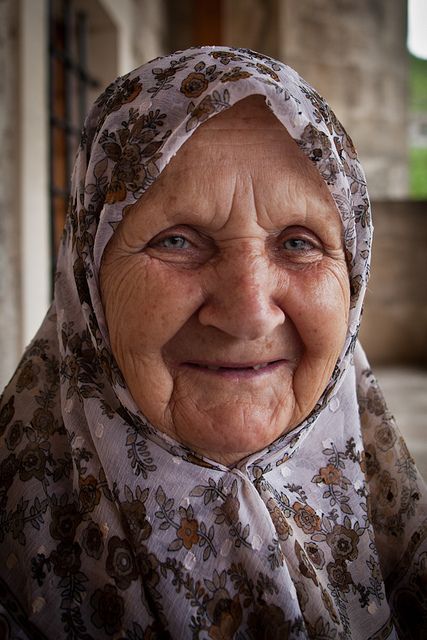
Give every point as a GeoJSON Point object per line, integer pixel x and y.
{"type": "Point", "coordinates": [330, 474]}
{"type": "Point", "coordinates": [306, 517]}
{"type": "Point", "coordinates": [375, 401]}
{"type": "Point", "coordinates": [339, 576]}
{"type": "Point", "coordinates": [201, 112]}
{"type": "Point", "coordinates": [28, 376]}
{"type": "Point", "coordinates": [116, 192]}
{"type": "Point", "coordinates": [187, 532]}
{"type": "Point", "coordinates": [32, 462]}
{"type": "Point", "coordinates": [388, 490]}
{"type": "Point", "coordinates": [343, 543]}
{"type": "Point", "coordinates": [226, 615]}
{"type": "Point", "coordinates": [385, 436]}
{"type": "Point", "coordinates": [355, 286]}
{"type": "Point", "coordinates": [371, 462]}
{"type": "Point", "coordinates": [268, 621]}
{"type": "Point", "coordinates": [315, 554]}
{"type": "Point", "coordinates": [43, 421]}
{"type": "Point", "coordinates": [230, 509]}
{"type": "Point", "coordinates": [194, 84]}
{"type": "Point", "coordinates": [329, 605]}
{"type": "Point", "coordinates": [280, 522]}
{"type": "Point", "coordinates": [108, 609]}
{"type": "Point", "coordinates": [121, 563]}
{"type": "Point", "coordinates": [305, 566]}
{"type": "Point", "coordinates": [126, 92]}
{"type": "Point", "coordinates": [89, 494]}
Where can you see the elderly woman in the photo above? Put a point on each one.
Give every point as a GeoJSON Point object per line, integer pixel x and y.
{"type": "Point", "coordinates": [194, 445]}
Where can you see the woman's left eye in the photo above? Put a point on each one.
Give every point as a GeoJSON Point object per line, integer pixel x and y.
{"type": "Point", "coordinates": [297, 244]}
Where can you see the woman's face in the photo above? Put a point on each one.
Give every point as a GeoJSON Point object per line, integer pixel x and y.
{"type": "Point", "coordinates": [226, 290]}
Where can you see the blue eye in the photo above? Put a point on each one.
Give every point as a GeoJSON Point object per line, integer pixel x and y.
{"type": "Point", "coordinates": [297, 244]}
{"type": "Point", "coordinates": [174, 242]}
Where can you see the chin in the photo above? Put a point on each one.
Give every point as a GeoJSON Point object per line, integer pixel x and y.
{"type": "Point", "coordinates": [231, 437]}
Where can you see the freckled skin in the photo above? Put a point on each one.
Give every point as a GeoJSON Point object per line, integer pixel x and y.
{"type": "Point", "coordinates": [234, 257]}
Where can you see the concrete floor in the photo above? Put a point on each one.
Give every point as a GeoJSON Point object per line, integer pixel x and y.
{"type": "Point", "coordinates": [405, 390]}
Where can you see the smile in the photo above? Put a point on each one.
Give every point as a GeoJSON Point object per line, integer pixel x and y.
{"type": "Point", "coordinates": [236, 369]}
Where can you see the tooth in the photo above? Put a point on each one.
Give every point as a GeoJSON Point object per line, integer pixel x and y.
{"type": "Point", "coordinates": [259, 366]}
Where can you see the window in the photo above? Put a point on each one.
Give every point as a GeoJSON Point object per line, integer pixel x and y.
{"type": "Point", "coordinates": [69, 86]}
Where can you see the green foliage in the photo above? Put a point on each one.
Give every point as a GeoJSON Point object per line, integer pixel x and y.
{"type": "Point", "coordinates": [418, 173]}
{"type": "Point", "coordinates": [417, 104]}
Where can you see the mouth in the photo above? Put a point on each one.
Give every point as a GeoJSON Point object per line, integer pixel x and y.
{"type": "Point", "coordinates": [233, 370]}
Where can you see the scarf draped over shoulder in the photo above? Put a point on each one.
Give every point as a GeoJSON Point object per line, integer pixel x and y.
{"type": "Point", "coordinates": [109, 528]}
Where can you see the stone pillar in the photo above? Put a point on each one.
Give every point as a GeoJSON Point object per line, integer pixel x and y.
{"type": "Point", "coordinates": [10, 324]}
{"type": "Point", "coordinates": [252, 24]}
{"type": "Point", "coordinates": [149, 30]}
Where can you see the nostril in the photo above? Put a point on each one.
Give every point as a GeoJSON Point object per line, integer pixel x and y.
{"type": "Point", "coordinates": [242, 320]}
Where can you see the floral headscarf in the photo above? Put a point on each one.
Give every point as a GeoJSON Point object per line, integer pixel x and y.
{"type": "Point", "coordinates": [109, 528]}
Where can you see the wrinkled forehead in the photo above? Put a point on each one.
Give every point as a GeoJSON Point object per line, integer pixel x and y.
{"type": "Point", "coordinates": [251, 125]}
{"type": "Point", "coordinates": [244, 144]}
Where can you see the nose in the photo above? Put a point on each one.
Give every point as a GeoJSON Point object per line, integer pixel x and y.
{"type": "Point", "coordinates": [242, 297]}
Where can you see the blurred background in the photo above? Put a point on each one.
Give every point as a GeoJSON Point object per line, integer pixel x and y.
{"type": "Point", "coordinates": [368, 58]}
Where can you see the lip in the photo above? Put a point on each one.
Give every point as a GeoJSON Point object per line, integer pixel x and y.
{"type": "Point", "coordinates": [235, 369]}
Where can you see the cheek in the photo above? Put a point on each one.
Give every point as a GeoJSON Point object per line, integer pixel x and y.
{"type": "Point", "coordinates": [146, 306]}
{"type": "Point", "coordinates": [320, 312]}
{"type": "Point", "coordinates": [318, 304]}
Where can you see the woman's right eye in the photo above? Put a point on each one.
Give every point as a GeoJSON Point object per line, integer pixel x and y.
{"type": "Point", "coordinates": [183, 246]}
{"type": "Point", "coordinates": [173, 242]}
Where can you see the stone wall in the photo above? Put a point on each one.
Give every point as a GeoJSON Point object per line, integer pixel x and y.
{"type": "Point", "coordinates": [394, 326]}
{"type": "Point", "coordinates": [353, 53]}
